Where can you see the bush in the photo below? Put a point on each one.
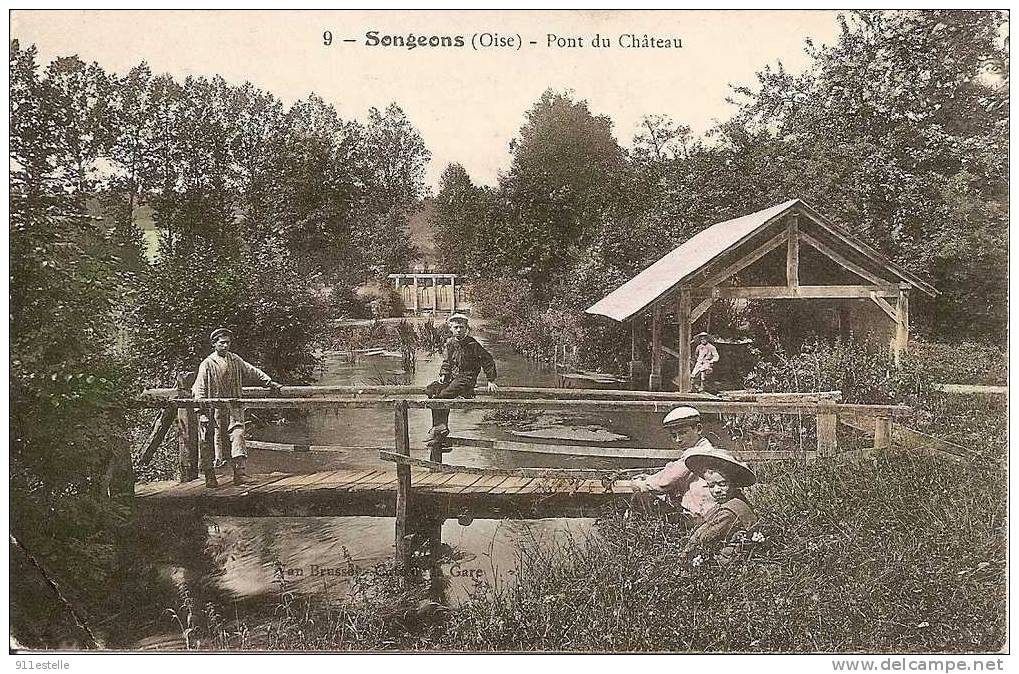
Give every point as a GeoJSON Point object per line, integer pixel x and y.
{"type": "Point", "coordinates": [259, 294]}
{"type": "Point", "coordinates": [382, 301]}
{"type": "Point", "coordinates": [345, 303]}
{"type": "Point", "coordinates": [962, 362]}
{"type": "Point", "coordinates": [502, 302]}
{"type": "Point", "coordinates": [862, 374]}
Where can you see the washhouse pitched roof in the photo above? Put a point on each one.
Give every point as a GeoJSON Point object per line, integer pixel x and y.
{"type": "Point", "coordinates": [697, 252]}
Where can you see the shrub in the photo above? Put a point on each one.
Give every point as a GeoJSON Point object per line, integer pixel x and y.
{"type": "Point", "coordinates": [382, 301]}
{"type": "Point", "coordinates": [345, 302]}
{"type": "Point", "coordinates": [862, 374]}
{"type": "Point", "coordinates": [503, 302]}
{"type": "Point", "coordinates": [962, 362]}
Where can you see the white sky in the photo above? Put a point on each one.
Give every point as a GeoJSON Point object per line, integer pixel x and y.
{"type": "Point", "coordinates": [467, 104]}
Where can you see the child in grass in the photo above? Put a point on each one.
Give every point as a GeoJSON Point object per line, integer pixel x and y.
{"type": "Point", "coordinates": [732, 514]}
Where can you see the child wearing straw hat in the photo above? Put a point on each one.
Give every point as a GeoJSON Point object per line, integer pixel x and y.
{"type": "Point", "coordinates": [725, 477]}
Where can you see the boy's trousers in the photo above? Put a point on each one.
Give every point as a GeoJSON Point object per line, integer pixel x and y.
{"type": "Point", "coordinates": [216, 437]}
{"type": "Point", "coordinates": [458, 387]}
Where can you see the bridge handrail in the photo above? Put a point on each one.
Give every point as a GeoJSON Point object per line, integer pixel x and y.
{"type": "Point", "coordinates": [485, 402]}
{"type": "Point", "coordinates": [401, 399]}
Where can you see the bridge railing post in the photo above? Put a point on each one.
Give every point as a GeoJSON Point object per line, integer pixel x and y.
{"type": "Point", "coordinates": [403, 549]}
{"type": "Point", "coordinates": [827, 429]}
{"type": "Point", "coordinates": [187, 431]}
{"type": "Point", "coordinates": [882, 431]}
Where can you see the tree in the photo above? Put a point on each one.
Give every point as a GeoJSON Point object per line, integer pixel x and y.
{"type": "Point", "coordinates": [565, 176]}
{"type": "Point", "coordinates": [65, 383]}
{"type": "Point", "coordinates": [899, 133]}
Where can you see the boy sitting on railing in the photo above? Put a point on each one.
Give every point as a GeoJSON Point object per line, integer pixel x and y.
{"type": "Point", "coordinates": [463, 359]}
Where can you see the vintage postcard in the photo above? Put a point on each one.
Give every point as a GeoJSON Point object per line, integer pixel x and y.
{"type": "Point", "coordinates": [486, 331]}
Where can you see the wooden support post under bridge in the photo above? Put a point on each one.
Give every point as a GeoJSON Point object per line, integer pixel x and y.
{"type": "Point", "coordinates": [403, 550]}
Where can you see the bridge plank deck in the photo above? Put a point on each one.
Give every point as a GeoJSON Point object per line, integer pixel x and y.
{"type": "Point", "coordinates": [354, 492]}
{"type": "Point", "coordinates": [459, 483]}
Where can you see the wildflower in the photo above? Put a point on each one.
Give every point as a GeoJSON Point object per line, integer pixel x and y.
{"type": "Point", "coordinates": [923, 624]}
{"type": "Point", "coordinates": [758, 537]}
{"type": "Point", "coordinates": [697, 561]}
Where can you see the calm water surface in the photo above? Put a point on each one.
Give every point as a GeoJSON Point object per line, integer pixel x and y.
{"type": "Point", "coordinates": [248, 555]}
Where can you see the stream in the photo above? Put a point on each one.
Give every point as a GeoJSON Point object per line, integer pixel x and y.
{"type": "Point", "coordinates": [245, 558]}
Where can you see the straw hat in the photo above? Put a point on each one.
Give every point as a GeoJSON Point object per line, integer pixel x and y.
{"type": "Point", "coordinates": [698, 459]}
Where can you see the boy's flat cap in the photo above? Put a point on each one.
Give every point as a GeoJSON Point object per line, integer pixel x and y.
{"type": "Point", "coordinates": [219, 332]}
{"type": "Point", "coordinates": [681, 415]}
{"type": "Point", "coordinates": [457, 318]}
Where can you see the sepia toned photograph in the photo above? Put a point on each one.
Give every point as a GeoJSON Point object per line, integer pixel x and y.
{"type": "Point", "coordinates": [569, 331]}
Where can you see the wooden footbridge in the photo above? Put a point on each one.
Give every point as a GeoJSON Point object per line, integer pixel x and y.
{"type": "Point", "coordinates": [421, 493]}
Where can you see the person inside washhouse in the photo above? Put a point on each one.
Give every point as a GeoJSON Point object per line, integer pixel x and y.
{"type": "Point", "coordinates": [732, 513]}
{"type": "Point", "coordinates": [463, 358]}
{"type": "Point", "coordinates": [221, 375]}
{"type": "Point", "coordinates": [705, 356]}
{"type": "Point", "coordinates": [676, 484]}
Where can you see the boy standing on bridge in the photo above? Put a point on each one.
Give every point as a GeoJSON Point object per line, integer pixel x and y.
{"type": "Point", "coordinates": [221, 375]}
{"type": "Point", "coordinates": [463, 358]}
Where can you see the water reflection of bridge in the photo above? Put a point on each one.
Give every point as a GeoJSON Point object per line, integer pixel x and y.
{"type": "Point", "coordinates": [421, 493]}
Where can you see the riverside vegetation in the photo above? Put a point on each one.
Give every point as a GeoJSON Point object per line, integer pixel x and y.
{"type": "Point", "coordinates": [902, 552]}
{"type": "Point", "coordinates": [898, 130]}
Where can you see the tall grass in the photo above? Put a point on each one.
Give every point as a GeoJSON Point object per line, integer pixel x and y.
{"type": "Point", "coordinates": [905, 553]}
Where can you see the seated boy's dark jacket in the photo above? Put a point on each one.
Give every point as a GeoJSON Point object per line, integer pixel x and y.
{"type": "Point", "coordinates": [463, 360]}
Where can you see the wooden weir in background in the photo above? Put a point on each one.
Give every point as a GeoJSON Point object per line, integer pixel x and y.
{"type": "Point", "coordinates": [423, 492]}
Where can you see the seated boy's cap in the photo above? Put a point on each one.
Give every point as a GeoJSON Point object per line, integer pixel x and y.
{"type": "Point", "coordinates": [702, 334]}
{"type": "Point", "coordinates": [457, 318]}
{"type": "Point", "coordinates": [681, 415]}
{"type": "Point", "coordinates": [698, 459]}
{"type": "Point", "coordinates": [218, 332]}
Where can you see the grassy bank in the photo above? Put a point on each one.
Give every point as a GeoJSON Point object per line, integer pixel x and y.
{"type": "Point", "coordinates": [900, 554]}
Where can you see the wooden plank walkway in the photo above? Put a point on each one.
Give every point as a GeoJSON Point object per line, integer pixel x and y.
{"type": "Point", "coordinates": [372, 492]}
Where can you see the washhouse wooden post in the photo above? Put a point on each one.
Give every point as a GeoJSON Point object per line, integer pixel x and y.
{"type": "Point", "coordinates": [685, 327]}
{"type": "Point", "coordinates": [655, 378]}
{"type": "Point", "coordinates": [792, 259]}
{"type": "Point", "coordinates": [901, 322]}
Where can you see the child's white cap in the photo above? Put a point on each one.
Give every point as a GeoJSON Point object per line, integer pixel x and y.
{"type": "Point", "coordinates": [457, 318]}
{"type": "Point", "coordinates": [681, 415]}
